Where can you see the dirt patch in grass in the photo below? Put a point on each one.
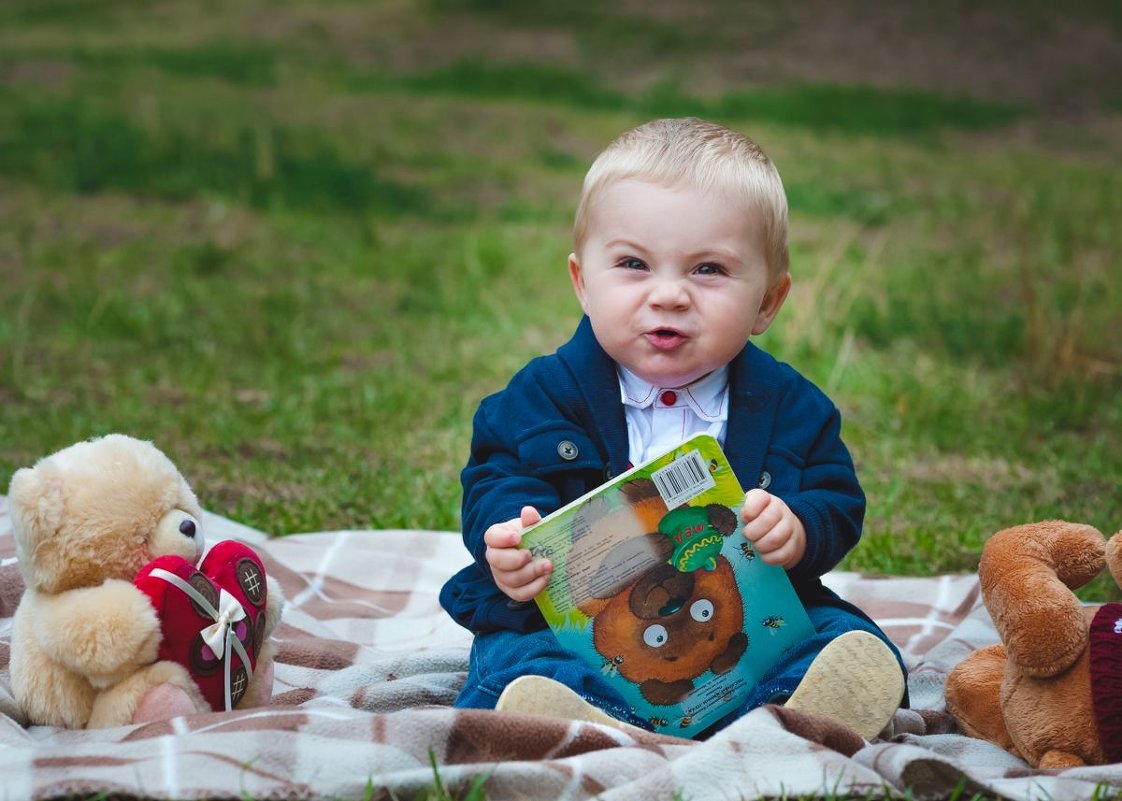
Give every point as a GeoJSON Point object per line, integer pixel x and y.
{"type": "Point", "coordinates": [1058, 60]}
{"type": "Point", "coordinates": [40, 73]}
{"type": "Point", "coordinates": [1062, 60]}
{"type": "Point", "coordinates": [995, 475]}
{"type": "Point", "coordinates": [1051, 60]}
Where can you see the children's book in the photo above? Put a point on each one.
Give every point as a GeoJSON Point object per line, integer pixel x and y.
{"type": "Point", "coordinates": [655, 585]}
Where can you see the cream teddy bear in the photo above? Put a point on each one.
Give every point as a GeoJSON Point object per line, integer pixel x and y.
{"type": "Point", "coordinates": [87, 648]}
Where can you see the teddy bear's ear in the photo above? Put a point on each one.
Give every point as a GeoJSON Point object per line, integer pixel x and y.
{"type": "Point", "coordinates": [1114, 557]}
{"type": "Point", "coordinates": [37, 508]}
{"type": "Point", "coordinates": [722, 518]}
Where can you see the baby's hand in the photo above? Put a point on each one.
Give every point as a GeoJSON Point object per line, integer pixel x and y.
{"type": "Point", "coordinates": [515, 570]}
{"type": "Point", "coordinates": [769, 524]}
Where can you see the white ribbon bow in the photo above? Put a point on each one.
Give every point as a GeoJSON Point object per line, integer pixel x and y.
{"type": "Point", "coordinates": [229, 613]}
{"type": "Point", "coordinates": [219, 635]}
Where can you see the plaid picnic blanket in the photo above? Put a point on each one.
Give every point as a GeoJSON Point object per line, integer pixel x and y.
{"type": "Point", "coordinates": [368, 666]}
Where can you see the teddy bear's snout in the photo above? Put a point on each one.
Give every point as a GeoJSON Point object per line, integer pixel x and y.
{"type": "Point", "coordinates": [187, 528]}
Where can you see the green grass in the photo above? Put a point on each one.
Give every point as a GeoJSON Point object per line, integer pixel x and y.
{"type": "Point", "coordinates": [240, 63]}
{"type": "Point", "coordinates": [830, 109]}
{"type": "Point", "coordinates": [71, 145]}
{"type": "Point", "coordinates": [296, 257]}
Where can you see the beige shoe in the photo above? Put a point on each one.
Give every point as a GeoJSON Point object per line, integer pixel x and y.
{"type": "Point", "coordinates": [855, 680]}
{"type": "Point", "coordinates": [538, 695]}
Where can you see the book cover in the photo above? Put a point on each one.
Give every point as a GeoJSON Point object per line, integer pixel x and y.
{"type": "Point", "coordinates": [654, 585]}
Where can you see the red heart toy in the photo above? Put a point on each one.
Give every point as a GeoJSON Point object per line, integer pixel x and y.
{"type": "Point", "coordinates": [230, 576]}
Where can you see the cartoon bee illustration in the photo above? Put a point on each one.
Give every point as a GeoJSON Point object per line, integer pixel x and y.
{"type": "Point", "coordinates": [610, 667]}
{"type": "Point", "coordinates": [747, 551]}
{"type": "Point", "coordinates": [659, 721]}
{"type": "Point", "coordinates": [686, 720]}
{"type": "Point", "coordinates": [713, 465]}
{"type": "Point", "coordinates": [774, 622]}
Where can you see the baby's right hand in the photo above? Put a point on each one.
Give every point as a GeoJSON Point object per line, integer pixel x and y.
{"type": "Point", "coordinates": [514, 569]}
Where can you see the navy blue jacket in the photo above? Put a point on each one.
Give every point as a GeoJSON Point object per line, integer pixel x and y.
{"type": "Point", "coordinates": [558, 431]}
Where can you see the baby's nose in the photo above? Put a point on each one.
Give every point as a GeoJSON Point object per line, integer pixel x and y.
{"type": "Point", "coordinates": [670, 292]}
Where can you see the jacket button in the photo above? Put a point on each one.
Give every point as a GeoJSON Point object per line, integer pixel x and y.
{"type": "Point", "coordinates": [765, 480]}
{"type": "Point", "coordinates": [567, 450]}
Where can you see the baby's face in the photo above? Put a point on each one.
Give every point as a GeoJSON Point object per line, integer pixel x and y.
{"type": "Point", "coordinates": [674, 280]}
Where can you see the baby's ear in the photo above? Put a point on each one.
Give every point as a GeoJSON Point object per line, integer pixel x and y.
{"type": "Point", "coordinates": [772, 303]}
{"type": "Point", "coordinates": [577, 277]}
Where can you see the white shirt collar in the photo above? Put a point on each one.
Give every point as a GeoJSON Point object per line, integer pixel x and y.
{"type": "Point", "coordinates": [707, 397]}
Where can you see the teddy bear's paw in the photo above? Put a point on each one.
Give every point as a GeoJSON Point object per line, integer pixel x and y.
{"type": "Point", "coordinates": [162, 702]}
{"type": "Point", "coordinates": [1047, 651]}
{"type": "Point", "coordinates": [1060, 759]}
{"type": "Point", "coordinates": [260, 690]}
{"type": "Point", "coordinates": [973, 693]}
{"type": "Point", "coordinates": [119, 705]}
{"type": "Point", "coordinates": [1026, 575]}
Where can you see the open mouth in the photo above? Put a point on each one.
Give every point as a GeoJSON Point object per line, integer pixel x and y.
{"type": "Point", "coordinates": [665, 338]}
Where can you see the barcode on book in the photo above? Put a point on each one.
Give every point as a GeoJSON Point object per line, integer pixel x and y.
{"type": "Point", "coordinates": [683, 479]}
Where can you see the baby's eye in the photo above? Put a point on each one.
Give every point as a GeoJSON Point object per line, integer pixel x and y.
{"type": "Point", "coordinates": [631, 263]}
{"type": "Point", "coordinates": [710, 269]}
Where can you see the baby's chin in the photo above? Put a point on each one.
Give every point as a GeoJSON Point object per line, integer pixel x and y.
{"type": "Point", "coordinates": [667, 378]}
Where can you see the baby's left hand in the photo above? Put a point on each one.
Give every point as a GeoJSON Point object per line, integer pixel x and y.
{"type": "Point", "coordinates": [773, 529]}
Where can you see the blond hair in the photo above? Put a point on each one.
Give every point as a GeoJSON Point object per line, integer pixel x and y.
{"type": "Point", "coordinates": [700, 154]}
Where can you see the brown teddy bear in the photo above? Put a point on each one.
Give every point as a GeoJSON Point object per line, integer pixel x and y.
{"type": "Point", "coordinates": [1050, 693]}
{"type": "Point", "coordinates": [99, 636]}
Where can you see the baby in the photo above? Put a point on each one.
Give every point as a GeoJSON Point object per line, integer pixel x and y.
{"type": "Point", "coordinates": [679, 258]}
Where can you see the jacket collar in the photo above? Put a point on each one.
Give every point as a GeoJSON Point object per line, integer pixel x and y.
{"type": "Point", "coordinates": [598, 405]}
{"type": "Point", "coordinates": [754, 382]}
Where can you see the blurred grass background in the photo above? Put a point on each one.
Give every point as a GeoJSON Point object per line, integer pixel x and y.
{"type": "Point", "coordinates": [295, 243]}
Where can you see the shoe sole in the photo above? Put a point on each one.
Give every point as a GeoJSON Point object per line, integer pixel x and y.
{"type": "Point", "coordinates": [855, 680]}
{"type": "Point", "coordinates": [538, 695]}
